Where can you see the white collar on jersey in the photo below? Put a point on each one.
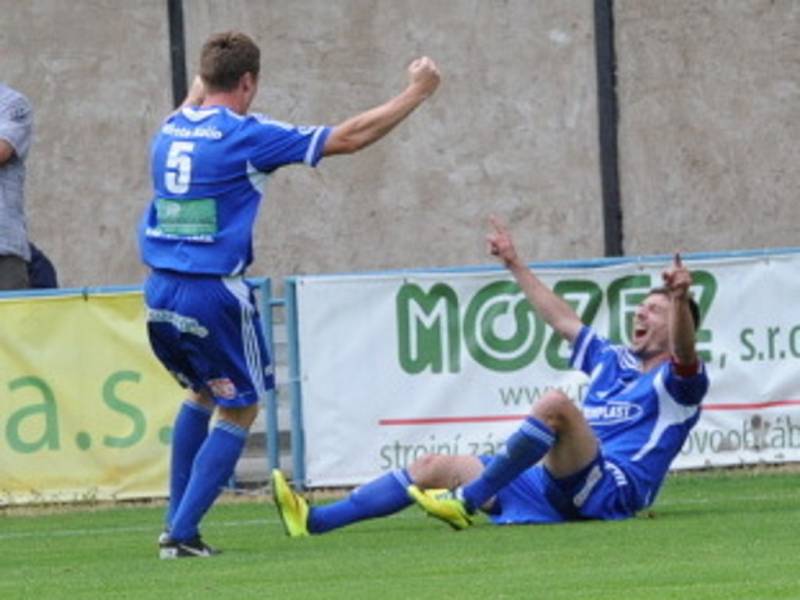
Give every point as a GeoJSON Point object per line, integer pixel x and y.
{"type": "Point", "coordinates": [198, 114]}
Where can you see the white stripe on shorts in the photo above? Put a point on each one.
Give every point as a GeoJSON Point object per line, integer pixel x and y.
{"type": "Point", "coordinates": [239, 289]}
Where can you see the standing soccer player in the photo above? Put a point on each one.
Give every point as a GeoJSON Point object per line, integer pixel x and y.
{"type": "Point", "coordinates": [604, 460]}
{"type": "Point", "coordinates": [209, 163]}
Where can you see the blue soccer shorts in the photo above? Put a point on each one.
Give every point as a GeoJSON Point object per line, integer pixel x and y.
{"type": "Point", "coordinates": [601, 490]}
{"type": "Point", "coordinates": [206, 331]}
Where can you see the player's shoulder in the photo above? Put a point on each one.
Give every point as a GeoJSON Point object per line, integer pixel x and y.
{"type": "Point", "coordinates": [609, 350]}
{"type": "Point", "coordinates": [276, 125]}
{"type": "Point", "coordinates": [590, 339]}
{"type": "Point", "coordinates": [619, 355]}
{"type": "Point", "coordinates": [265, 120]}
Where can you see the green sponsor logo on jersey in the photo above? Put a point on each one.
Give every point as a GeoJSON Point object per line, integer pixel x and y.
{"type": "Point", "coordinates": [187, 218]}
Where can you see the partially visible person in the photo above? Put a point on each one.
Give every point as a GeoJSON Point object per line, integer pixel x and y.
{"type": "Point", "coordinates": [210, 161]}
{"type": "Point", "coordinates": [16, 127]}
{"type": "Point", "coordinates": [41, 271]}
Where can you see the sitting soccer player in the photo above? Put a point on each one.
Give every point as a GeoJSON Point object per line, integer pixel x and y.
{"type": "Point", "coordinates": [604, 460]}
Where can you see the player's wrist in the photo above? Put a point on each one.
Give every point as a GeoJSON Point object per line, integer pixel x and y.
{"type": "Point", "coordinates": [513, 263]}
{"type": "Point", "coordinates": [686, 368]}
{"type": "Point", "coordinates": [680, 294]}
{"type": "Point", "coordinates": [419, 91]}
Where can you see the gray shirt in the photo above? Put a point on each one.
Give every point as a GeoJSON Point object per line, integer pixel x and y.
{"type": "Point", "coordinates": [16, 125]}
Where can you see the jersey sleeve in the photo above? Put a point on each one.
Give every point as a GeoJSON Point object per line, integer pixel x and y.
{"type": "Point", "coordinates": [16, 124]}
{"type": "Point", "coordinates": [587, 350]}
{"type": "Point", "coordinates": [278, 144]}
{"type": "Point", "coordinates": [688, 391]}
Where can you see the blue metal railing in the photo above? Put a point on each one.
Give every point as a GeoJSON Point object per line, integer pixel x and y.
{"type": "Point", "coordinates": [268, 303]}
{"type": "Point", "coordinates": [298, 433]}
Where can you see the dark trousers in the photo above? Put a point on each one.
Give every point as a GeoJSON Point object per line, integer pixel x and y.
{"type": "Point", "coordinates": [13, 273]}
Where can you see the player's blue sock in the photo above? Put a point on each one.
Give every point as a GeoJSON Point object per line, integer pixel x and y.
{"type": "Point", "coordinates": [189, 433]}
{"type": "Point", "coordinates": [380, 497]}
{"type": "Point", "coordinates": [212, 469]}
{"type": "Point", "coordinates": [524, 448]}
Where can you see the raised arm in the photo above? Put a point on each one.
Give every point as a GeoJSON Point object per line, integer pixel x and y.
{"type": "Point", "coordinates": [362, 130]}
{"type": "Point", "coordinates": [196, 94]}
{"type": "Point", "coordinates": [548, 305]}
{"type": "Point", "coordinates": [677, 280]}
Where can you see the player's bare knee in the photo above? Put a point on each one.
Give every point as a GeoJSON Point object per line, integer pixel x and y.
{"type": "Point", "coordinates": [241, 416]}
{"type": "Point", "coordinates": [428, 470]}
{"type": "Point", "coordinates": [203, 398]}
{"type": "Point", "coordinates": [422, 468]}
{"type": "Point", "coordinates": [555, 409]}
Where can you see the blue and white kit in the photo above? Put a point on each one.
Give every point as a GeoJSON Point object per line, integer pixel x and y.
{"type": "Point", "coordinates": [641, 421]}
{"type": "Point", "coordinates": [209, 169]}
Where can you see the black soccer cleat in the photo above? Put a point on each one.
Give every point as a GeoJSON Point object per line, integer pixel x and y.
{"type": "Point", "coordinates": [194, 548]}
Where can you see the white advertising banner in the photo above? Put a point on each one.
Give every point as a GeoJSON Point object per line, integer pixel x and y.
{"type": "Point", "coordinates": [399, 365]}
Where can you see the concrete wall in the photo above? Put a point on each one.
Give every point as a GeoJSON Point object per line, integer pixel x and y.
{"type": "Point", "coordinates": [708, 107]}
{"type": "Point", "coordinates": [97, 74]}
{"type": "Point", "coordinates": [512, 129]}
{"type": "Point", "coordinates": [709, 96]}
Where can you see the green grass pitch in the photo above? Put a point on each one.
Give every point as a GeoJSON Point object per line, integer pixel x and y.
{"type": "Point", "coordinates": [731, 534]}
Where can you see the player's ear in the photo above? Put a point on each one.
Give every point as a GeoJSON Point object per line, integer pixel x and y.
{"type": "Point", "coordinates": [248, 82]}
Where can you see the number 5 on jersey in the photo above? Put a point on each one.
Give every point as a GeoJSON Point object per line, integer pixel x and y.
{"type": "Point", "coordinates": [178, 173]}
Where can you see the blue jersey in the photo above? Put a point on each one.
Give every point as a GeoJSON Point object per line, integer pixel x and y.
{"type": "Point", "coordinates": [209, 166]}
{"type": "Point", "coordinates": [641, 419]}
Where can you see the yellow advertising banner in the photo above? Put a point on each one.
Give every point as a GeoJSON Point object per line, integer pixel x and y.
{"type": "Point", "coordinates": [85, 408]}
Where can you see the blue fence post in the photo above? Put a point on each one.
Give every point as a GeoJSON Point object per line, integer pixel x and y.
{"type": "Point", "coordinates": [298, 439]}
{"type": "Point", "coordinates": [271, 408]}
